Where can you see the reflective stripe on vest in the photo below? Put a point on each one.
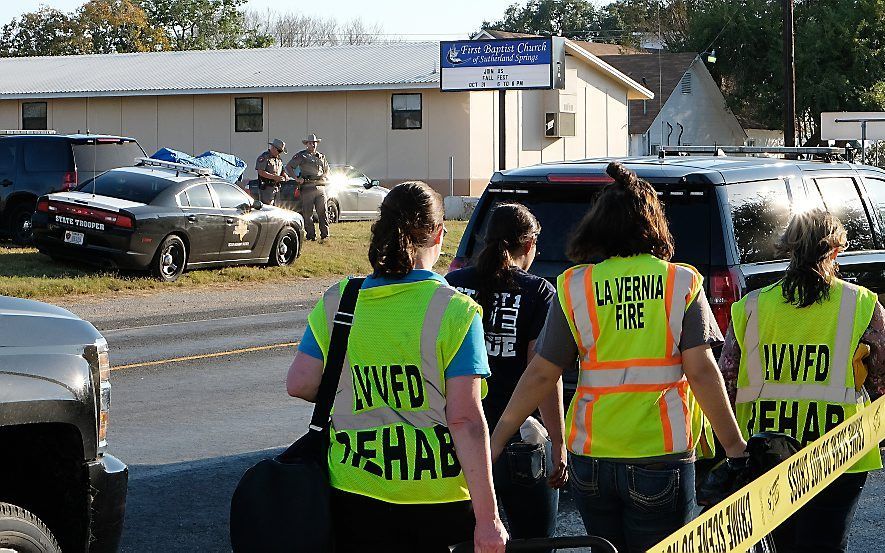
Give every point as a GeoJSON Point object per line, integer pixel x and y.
{"type": "Point", "coordinates": [342, 415]}
{"type": "Point", "coordinates": [662, 376]}
{"type": "Point", "coordinates": [835, 391]}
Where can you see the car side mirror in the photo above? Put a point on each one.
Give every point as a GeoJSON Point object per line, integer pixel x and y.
{"type": "Point", "coordinates": [373, 183]}
{"type": "Point", "coordinates": [245, 206]}
{"type": "Point", "coordinates": [257, 204]}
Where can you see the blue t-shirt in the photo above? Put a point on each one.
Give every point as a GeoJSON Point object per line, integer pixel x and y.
{"type": "Point", "coordinates": [471, 358]}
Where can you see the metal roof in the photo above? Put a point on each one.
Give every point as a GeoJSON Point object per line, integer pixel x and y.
{"type": "Point", "coordinates": [385, 66]}
{"type": "Point", "coordinates": [375, 66]}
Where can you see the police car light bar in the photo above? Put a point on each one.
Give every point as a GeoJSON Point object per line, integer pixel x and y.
{"type": "Point", "coordinates": [178, 167]}
{"type": "Point", "coordinates": [826, 151]}
{"type": "Point", "coordinates": [14, 132]}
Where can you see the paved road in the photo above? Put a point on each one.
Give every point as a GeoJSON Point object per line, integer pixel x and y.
{"type": "Point", "coordinates": [189, 428]}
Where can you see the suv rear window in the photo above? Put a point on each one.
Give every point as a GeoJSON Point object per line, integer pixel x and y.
{"type": "Point", "coordinates": [760, 212]}
{"type": "Point", "coordinates": [560, 211]}
{"type": "Point", "coordinates": [840, 197]}
{"type": "Point", "coordinates": [125, 185]}
{"type": "Point", "coordinates": [105, 156]}
{"type": "Point", "coordinates": [47, 156]}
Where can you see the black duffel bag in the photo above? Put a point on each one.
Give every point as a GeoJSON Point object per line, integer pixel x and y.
{"type": "Point", "coordinates": [282, 504]}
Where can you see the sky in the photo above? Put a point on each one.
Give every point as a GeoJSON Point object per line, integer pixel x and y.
{"type": "Point", "coordinates": [409, 19]}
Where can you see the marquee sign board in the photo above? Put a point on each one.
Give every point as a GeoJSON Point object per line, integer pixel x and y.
{"type": "Point", "coordinates": [852, 125]}
{"type": "Point", "coordinates": [507, 64]}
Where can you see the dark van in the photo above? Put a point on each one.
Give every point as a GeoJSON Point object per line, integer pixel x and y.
{"type": "Point", "coordinates": [35, 163]}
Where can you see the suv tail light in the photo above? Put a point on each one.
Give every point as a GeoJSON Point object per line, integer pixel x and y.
{"type": "Point", "coordinates": [43, 206]}
{"type": "Point", "coordinates": [70, 181]}
{"type": "Point", "coordinates": [724, 291]}
{"type": "Point", "coordinates": [457, 263]}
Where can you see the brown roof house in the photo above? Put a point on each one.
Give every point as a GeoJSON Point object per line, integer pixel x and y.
{"type": "Point", "coordinates": [688, 108]}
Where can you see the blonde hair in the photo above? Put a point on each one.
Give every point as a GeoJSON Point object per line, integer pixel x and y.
{"type": "Point", "coordinates": [809, 241]}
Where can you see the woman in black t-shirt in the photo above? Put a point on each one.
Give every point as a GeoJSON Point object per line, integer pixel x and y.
{"type": "Point", "coordinates": [515, 305]}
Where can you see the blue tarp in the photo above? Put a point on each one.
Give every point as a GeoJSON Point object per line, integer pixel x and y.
{"type": "Point", "coordinates": [226, 166]}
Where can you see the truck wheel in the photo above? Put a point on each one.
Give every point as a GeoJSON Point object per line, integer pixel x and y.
{"type": "Point", "coordinates": [23, 532]}
{"type": "Point", "coordinates": [20, 224]}
{"type": "Point", "coordinates": [169, 261]}
{"type": "Point", "coordinates": [285, 248]}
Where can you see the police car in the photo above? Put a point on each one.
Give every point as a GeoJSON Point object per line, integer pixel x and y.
{"type": "Point", "coordinates": [164, 217]}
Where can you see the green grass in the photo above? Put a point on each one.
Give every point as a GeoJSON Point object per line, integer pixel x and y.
{"type": "Point", "coordinates": [25, 273]}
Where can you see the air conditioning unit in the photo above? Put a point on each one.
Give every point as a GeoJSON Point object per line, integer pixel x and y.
{"type": "Point", "coordinates": [559, 119]}
{"type": "Point", "coordinates": [558, 124]}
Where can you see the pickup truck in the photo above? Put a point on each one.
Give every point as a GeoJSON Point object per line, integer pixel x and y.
{"type": "Point", "coordinates": [60, 490]}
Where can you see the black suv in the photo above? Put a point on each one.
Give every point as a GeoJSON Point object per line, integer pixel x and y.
{"type": "Point", "coordinates": [725, 213]}
{"type": "Point", "coordinates": [34, 163]}
{"type": "Point", "coordinates": [60, 490]}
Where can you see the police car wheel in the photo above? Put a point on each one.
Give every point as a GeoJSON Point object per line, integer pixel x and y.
{"type": "Point", "coordinates": [285, 248]}
{"type": "Point", "coordinates": [170, 259]}
{"type": "Point", "coordinates": [20, 225]}
{"type": "Point", "coordinates": [21, 531]}
{"type": "Point", "coordinates": [332, 212]}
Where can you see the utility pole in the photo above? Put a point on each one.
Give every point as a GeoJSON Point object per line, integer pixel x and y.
{"type": "Point", "coordinates": [789, 75]}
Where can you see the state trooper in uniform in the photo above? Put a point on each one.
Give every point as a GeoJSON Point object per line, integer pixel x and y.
{"type": "Point", "coordinates": [314, 169]}
{"type": "Point", "coordinates": [270, 171]}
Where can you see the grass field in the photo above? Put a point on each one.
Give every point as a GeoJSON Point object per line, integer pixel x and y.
{"type": "Point", "coordinates": [25, 273]}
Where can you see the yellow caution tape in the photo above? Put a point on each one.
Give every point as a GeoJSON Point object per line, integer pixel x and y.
{"type": "Point", "coordinates": [745, 517]}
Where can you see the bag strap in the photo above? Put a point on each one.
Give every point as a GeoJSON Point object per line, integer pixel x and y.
{"type": "Point", "coordinates": [342, 323]}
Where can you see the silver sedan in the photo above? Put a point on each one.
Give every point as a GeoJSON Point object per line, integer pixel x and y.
{"type": "Point", "coordinates": [350, 195]}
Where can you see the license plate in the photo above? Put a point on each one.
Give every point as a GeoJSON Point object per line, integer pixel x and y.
{"type": "Point", "coordinates": [72, 237]}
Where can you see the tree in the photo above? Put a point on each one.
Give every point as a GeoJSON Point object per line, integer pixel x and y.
{"type": "Point", "coordinates": [108, 26]}
{"type": "Point", "coordinates": [45, 32]}
{"type": "Point", "coordinates": [569, 18]}
{"type": "Point", "coordinates": [839, 48]}
{"type": "Point", "coordinates": [289, 29]}
{"type": "Point", "coordinates": [204, 24]}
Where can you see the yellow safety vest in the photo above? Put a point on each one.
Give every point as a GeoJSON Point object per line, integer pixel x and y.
{"type": "Point", "coordinates": [389, 436]}
{"type": "Point", "coordinates": [796, 374]}
{"type": "Point", "coordinates": [632, 400]}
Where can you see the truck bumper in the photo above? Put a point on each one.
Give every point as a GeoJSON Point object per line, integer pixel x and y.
{"type": "Point", "coordinates": [108, 479]}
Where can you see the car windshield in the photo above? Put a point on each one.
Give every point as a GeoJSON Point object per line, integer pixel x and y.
{"type": "Point", "coordinates": [105, 155]}
{"type": "Point", "coordinates": [126, 185]}
{"type": "Point", "coordinates": [559, 212]}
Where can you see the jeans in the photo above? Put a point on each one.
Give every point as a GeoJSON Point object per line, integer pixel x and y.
{"type": "Point", "coordinates": [822, 525]}
{"type": "Point", "coordinates": [632, 506]}
{"type": "Point", "coordinates": [530, 505]}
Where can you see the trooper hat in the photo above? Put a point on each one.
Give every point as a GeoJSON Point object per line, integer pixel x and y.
{"type": "Point", "coordinates": [311, 138]}
{"type": "Point", "coordinates": [279, 145]}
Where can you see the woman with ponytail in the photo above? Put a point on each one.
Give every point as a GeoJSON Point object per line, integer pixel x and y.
{"type": "Point", "coordinates": [515, 305]}
{"type": "Point", "coordinates": [642, 331]}
{"type": "Point", "coordinates": [409, 460]}
{"type": "Point", "coordinates": [839, 328]}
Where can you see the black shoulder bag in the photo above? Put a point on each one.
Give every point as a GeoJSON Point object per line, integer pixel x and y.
{"type": "Point", "coordinates": [282, 504]}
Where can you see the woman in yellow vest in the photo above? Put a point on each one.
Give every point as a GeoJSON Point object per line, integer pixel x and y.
{"type": "Point", "coordinates": [409, 444]}
{"type": "Point", "coordinates": [642, 331]}
{"type": "Point", "coordinates": [792, 362]}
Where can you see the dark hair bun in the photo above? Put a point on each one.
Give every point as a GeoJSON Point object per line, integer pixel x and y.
{"type": "Point", "coordinates": [621, 174]}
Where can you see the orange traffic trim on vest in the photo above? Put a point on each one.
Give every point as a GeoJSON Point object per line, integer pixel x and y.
{"type": "Point", "coordinates": [665, 422]}
{"type": "Point", "coordinates": [668, 307]}
{"type": "Point", "coordinates": [627, 363]}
